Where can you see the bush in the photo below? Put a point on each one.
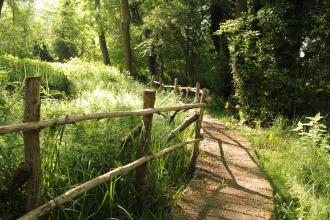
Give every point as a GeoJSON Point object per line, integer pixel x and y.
{"type": "Point", "coordinates": [53, 79]}
{"type": "Point", "coordinates": [65, 49]}
{"type": "Point", "coordinates": [270, 75]}
{"type": "Point", "coordinates": [297, 167]}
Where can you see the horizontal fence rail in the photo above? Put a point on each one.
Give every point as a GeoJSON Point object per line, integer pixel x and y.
{"type": "Point", "coordinates": [72, 193]}
{"type": "Point", "coordinates": [6, 129]}
{"type": "Point", "coordinates": [176, 88]}
{"type": "Point", "coordinates": [190, 89]}
{"type": "Point", "coordinates": [32, 126]}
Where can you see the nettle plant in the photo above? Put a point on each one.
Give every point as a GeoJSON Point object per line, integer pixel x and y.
{"type": "Point", "coordinates": [315, 131]}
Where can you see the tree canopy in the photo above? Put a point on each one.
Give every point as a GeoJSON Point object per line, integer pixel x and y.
{"type": "Point", "coordinates": [269, 57]}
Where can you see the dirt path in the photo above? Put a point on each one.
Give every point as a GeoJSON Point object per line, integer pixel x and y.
{"type": "Point", "coordinates": [228, 183]}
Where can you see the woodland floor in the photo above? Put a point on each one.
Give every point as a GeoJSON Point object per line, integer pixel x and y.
{"type": "Point", "coordinates": [228, 182]}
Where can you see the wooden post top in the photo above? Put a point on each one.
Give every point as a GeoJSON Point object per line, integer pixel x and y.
{"type": "Point", "coordinates": [149, 98]}
{"type": "Point", "coordinates": [149, 91]}
{"type": "Point", "coordinates": [204, 95]}
{"type": "Point", "coordinates": [32, 99]}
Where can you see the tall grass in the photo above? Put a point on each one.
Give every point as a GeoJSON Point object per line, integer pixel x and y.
{"type": "Point", "coordinates": [298, 169]}
{"type": "Point", "coordinates": [72, 154]}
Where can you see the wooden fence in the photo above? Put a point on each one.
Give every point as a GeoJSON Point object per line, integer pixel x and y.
{"type": "Point", "coordinates": [32, 126]}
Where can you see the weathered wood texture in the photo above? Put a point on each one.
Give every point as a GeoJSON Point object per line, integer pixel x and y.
{"type": "Point", "coordinates": [186, 96]}
{"type": "Point", "coordinates": [71, 194]}
{"type": "Point", "coordinates": [197, 94]}
{"type": "Point", "coordinates": [190, 89]}
{"type": "Point", "coordinates": [176, 86]}
{"type": "Point", "coordinates": [6, 129]}
{"type": "Point", "coordinates": [32, 142]}
{"type": "Point", "coordinates": [183, 126]}
{"type": "Point", "coordinates": [198, 128]}
{"type": "Point", "coordinates": [149, 99]}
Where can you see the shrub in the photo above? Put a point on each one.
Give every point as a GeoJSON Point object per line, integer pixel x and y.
{"type": "Point", "coordinates": [53, 79]}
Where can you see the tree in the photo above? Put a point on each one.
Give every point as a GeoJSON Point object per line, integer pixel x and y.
{"type": "Point", "coordinates": [101, 34]}
{"type": "Point", "coordinates": [1, 4]}
{"type": "Point", "coordinates": [66, 31]}
{"type": "Point", "coordinates": [126, 35]}
{"type": "Point", "coordinates": [17, 28]}
{"type": "Point", "coordinates": [278, 58]}
{"type": "Point", "coordinates": [220, 11]}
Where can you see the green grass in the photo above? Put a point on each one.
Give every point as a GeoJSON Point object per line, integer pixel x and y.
{"type": "Point", "coordinates": [297, 168]}
{"type": "Point", "coordinates": [73, 154]}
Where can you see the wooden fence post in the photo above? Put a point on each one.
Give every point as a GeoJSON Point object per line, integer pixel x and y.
{"type": "Point", "coordinates": [32, 142]}
{"type": "Point", "coordinates": [198, 128]}
{"type": "Point", "coordinates": [151, 82]}
{"type": "Point", "coordinates": [197, 94]}
{"type": "Point", "coordinates": [160, 83]}
{"type": "Point", "coordinates": [176, 85]}
{"type": "Point", "coordinates": [149, 98]}
{"type": "Point", "coordinates": [187, 95]}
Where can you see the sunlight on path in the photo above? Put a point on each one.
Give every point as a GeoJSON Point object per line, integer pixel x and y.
{"type": "Point", "coordinates": [228, 183]}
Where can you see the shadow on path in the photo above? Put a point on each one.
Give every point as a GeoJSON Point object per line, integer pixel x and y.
{"type": "Point", "coordinates": [228, 183]}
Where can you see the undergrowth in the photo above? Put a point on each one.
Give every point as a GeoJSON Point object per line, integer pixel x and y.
{"type": "Point", "coordinates": [73, 154]}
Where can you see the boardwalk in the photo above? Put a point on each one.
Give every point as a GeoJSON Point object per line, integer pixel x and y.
{"type": "Point", "coordinates": [228, 183]}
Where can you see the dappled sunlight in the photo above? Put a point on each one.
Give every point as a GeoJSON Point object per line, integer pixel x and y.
{"type": "Point", "coordinates": [259, 67]}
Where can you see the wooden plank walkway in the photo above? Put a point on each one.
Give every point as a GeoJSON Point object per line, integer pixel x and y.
{"type": "Point", "coordinates": [228, 183]}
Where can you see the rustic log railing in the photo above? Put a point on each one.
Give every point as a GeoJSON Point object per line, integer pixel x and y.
{"type": "Point", "coordinates": [176, 88]}
{"type": "Point", "coordinates": [32, 126]}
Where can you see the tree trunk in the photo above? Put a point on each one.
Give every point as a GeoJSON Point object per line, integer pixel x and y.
{"type": "Point", "coordinates": [216, 17]}
{"type": "Point", "coordinates": [152, 61]}
{"type": "Point", "coordinates": [152, 57]}
{"type": "Point", "coordinates": [162, 66]}
{"type": "Point", "coordinates": [126, 36]}
{"type": "Point", "coordinates": [104, 49]}
{"type": "Point", "coordinates": [1, 4]}
{"type": "Point", "coordinates": [102, 41]}
{"type": "Point", "coordinates": [241, 7]}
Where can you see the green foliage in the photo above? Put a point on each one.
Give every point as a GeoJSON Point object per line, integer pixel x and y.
{"type": "Point", "coordinates": [297, 169]}
{"type": "Point", "coordinates": [173, 18]}
{"type": "Point", "coordinates": [15, 70]}
{"type": "Point", "coordinates": [170, 39]}
{"type": "Point", "coordinates": [276, 55]}
{"type": "Point", "coordinates": [297, 166]}
{"type": "Point", "coordinates": [16, 28]}
{"type": "Point", "coordinates": [268, 66]}
{"type": "Point", "coordinates": [314, 131]}
{"type": "Point", "coordinates": [73, 154]}
{"type": "Point", "coordinates": [254, 66]}
{"type": "Point", "coordinates": [66, 31]}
